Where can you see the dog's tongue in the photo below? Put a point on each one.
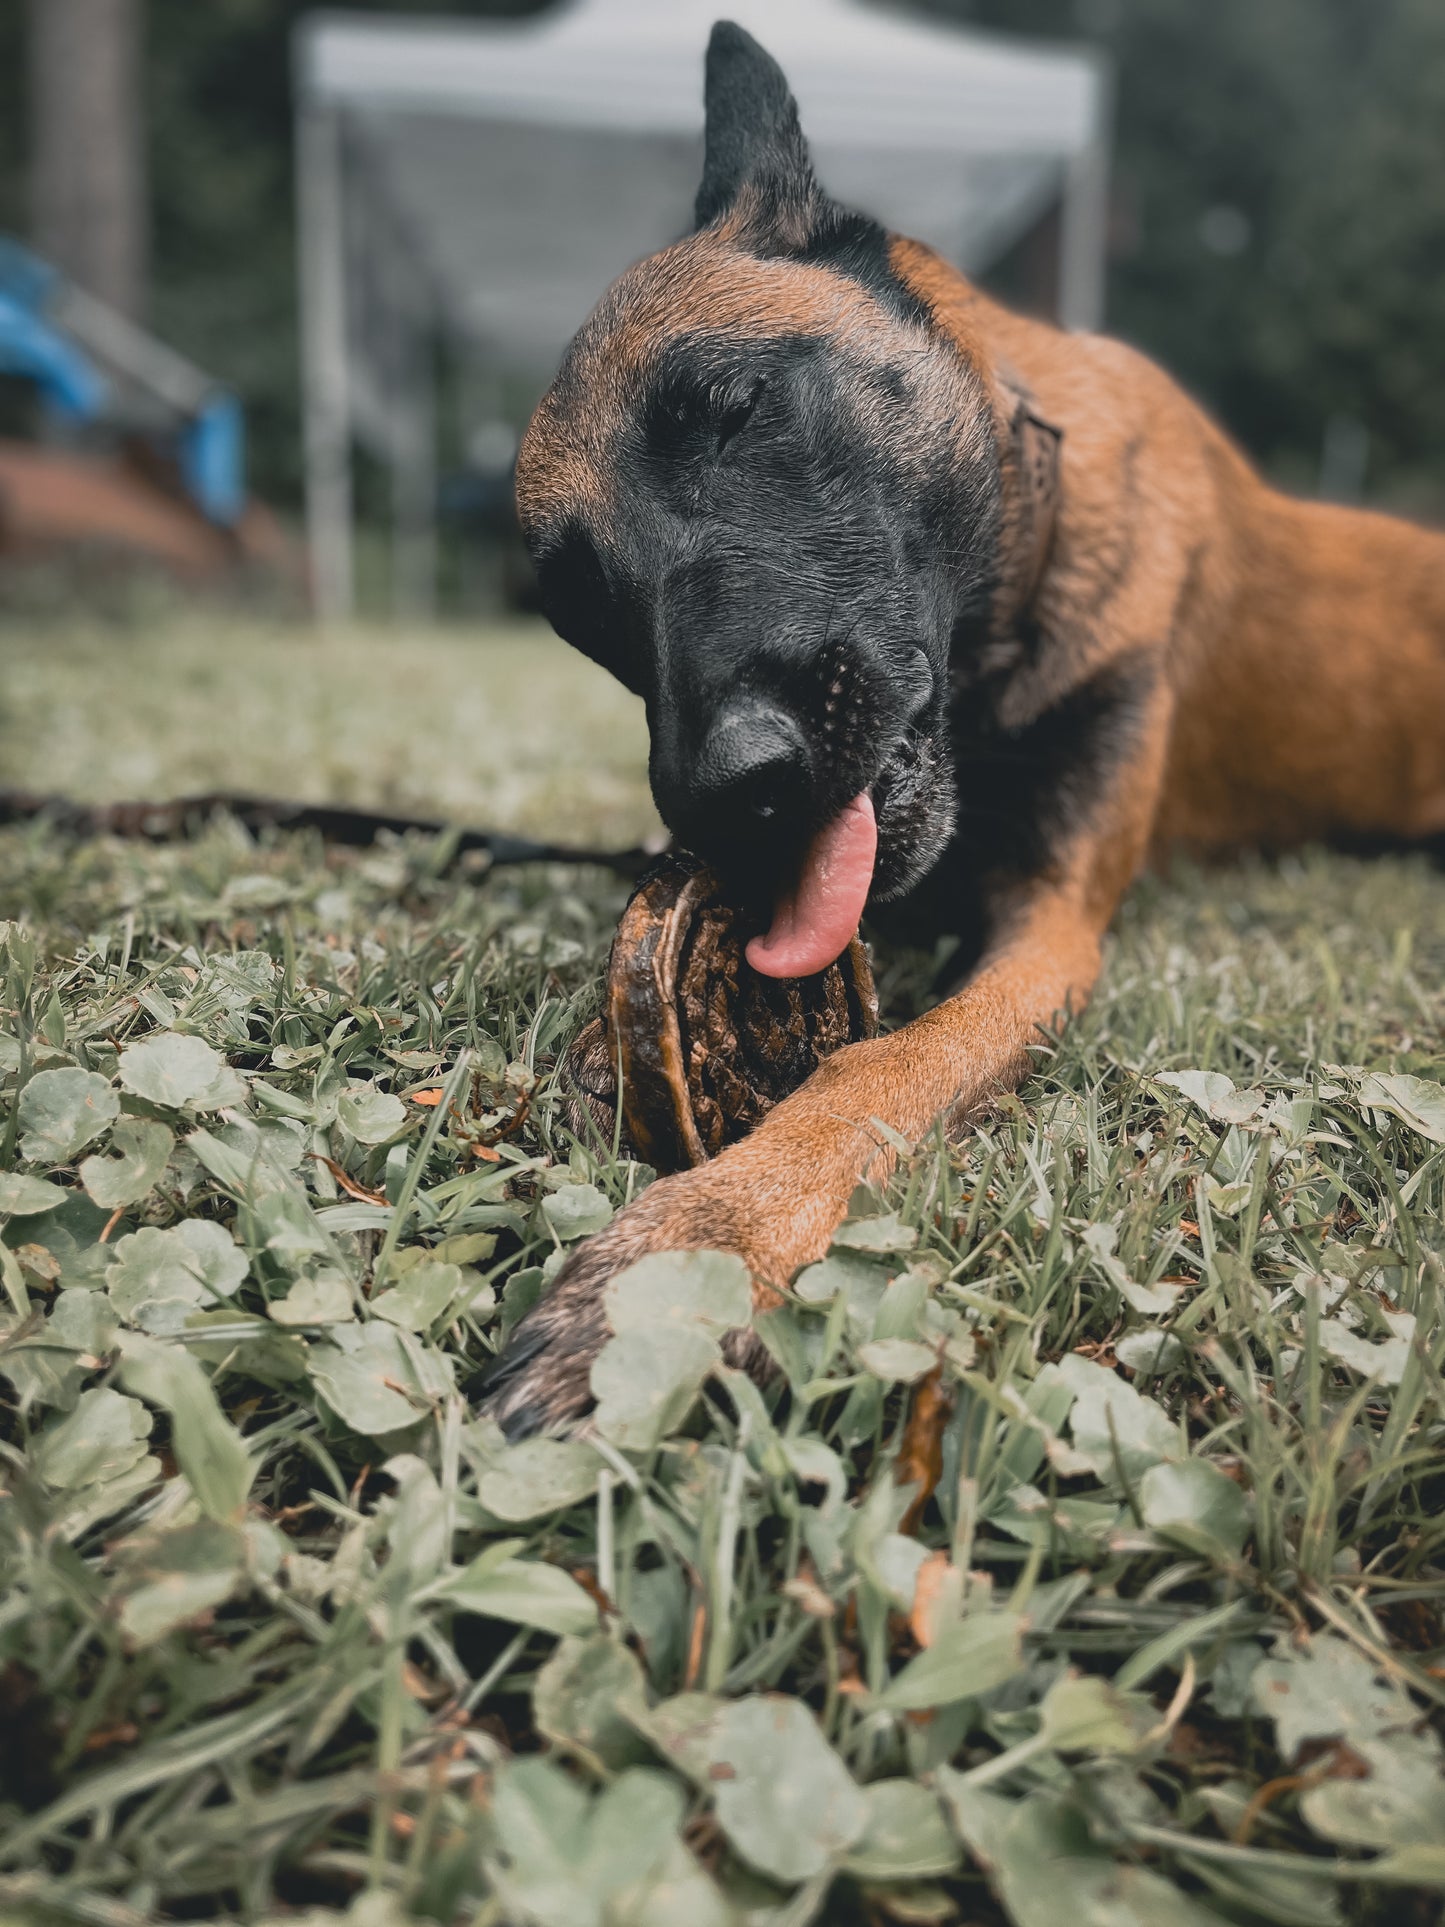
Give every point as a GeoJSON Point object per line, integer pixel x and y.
{"type": "Point", "coordinates": [814, 922]}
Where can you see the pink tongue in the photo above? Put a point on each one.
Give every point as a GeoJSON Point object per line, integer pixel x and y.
{"type": "Point", "coordinates": [815, 921]}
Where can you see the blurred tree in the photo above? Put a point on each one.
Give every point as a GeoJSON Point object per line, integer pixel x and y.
{"type": "Point", "coordinates": [14, 122]}
{"type": "Point", "coordinates": [89, 207]}
{"type": "Point", "coordinates": [225, 270]}
{"type": "Point", "coordinates": [1279, 231]}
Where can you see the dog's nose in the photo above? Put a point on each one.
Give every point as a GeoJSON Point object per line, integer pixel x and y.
{"type": "Point", "coordinates": [751, 769]}
{"type": "Point", "coordinates": [753, 759]}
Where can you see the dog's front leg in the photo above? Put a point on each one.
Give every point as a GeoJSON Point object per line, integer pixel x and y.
{"type": "Point", "coordinates": [777, 1197]}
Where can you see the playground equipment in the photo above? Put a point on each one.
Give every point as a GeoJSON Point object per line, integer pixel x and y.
{"type": "Point", "coordinates": [143, 451]}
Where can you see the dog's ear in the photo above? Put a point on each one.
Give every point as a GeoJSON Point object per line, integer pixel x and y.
{"type": "Point", "coordinates": [753, 140]}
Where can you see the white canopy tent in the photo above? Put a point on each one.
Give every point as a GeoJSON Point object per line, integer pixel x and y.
{"type": "Point", "coordinates": [486, 180]}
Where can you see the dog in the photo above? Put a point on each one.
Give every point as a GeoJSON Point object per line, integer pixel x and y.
{"type": "Point", "coordinates": [935, 607]}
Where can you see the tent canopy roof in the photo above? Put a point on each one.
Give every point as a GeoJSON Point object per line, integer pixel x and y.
{"type": "Point", "coordinates": [496, 176]}
{"type": "Point", "coordinates": [526, 162]}
{"type": "Point", "coordinates": [862, 78]}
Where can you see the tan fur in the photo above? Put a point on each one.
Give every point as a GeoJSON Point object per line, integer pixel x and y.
{"type": "Point", "coordinates": [701, 285]}
{"type": "Point", "coordinates": [1304, 643]}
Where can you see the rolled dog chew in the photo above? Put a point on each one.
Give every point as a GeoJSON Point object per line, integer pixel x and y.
{"type": "Point", "coordinates": [707, 1044]}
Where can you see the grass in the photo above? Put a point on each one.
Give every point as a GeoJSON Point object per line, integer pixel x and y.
{"type": "Point", "coordinates": [1084, 1555]}
{"type": "Point", "coordinates": [515, 725]}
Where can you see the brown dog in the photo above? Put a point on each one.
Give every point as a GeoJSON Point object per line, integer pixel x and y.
{"type": "Point", "coordinates": [933, 604]}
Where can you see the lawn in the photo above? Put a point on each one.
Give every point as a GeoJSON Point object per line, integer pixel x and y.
{"type": "Point", "coordinates": [1082, 1559]}
{"type": "Point", "coordinates": [517, 728]}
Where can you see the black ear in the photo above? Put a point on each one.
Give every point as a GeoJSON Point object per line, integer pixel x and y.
{"type": "Point", "coordinates": [753, 137]}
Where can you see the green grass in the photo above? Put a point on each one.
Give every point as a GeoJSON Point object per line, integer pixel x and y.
{"type": "Point", "coordinates": [511, 724]}
{"type": "Point", "coordinates": [286, 1631]}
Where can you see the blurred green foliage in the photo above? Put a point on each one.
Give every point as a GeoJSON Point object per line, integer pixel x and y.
{"type": "Point", "coordinates": [225, 283]}
{"type": "Point", "coordinates": [1279, 230]}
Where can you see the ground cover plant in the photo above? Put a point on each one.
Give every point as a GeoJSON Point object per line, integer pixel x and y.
{"type": "Point", "coordinates": [1080, 1558]}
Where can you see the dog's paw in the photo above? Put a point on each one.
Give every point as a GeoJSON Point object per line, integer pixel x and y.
{"type": "Point", "coordinates": [541, 1381]}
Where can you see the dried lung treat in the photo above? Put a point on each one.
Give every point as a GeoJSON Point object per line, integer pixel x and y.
{"type": "Point", "coordinates": [707, 1046]}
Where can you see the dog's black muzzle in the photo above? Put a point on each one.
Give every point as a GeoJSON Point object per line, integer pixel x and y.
{"type": "Point", "coordinates": [745, 780]}
{"type": "Point", "coordinates": [749, 786]}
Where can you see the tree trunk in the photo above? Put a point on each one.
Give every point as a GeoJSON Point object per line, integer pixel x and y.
{"type": "Point", "coordinates": [87, 139]}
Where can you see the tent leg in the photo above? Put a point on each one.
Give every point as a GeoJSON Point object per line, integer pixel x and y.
{"type": "Point", "coordinates": [413, 500]}
{"type": "Point", "coordinates": [1084, 229]}
{"type": "Point", "coordinates": [322, 274]}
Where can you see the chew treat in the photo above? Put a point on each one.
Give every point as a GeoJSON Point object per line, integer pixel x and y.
{"type": "Point", "coordinates": [707, 1045]}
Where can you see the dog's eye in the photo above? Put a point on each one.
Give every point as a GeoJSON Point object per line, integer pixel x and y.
{"type": "Point", "coordinates": [687, 416]}
{"type": "Point", "coordinates": [733, 410]}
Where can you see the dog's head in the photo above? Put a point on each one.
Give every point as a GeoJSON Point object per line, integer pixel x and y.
{"type": "Point", "coordinates": [762, 491]}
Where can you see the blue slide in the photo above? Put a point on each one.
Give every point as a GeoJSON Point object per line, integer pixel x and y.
{"type": "Point", "coordinates": [91, 366]}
